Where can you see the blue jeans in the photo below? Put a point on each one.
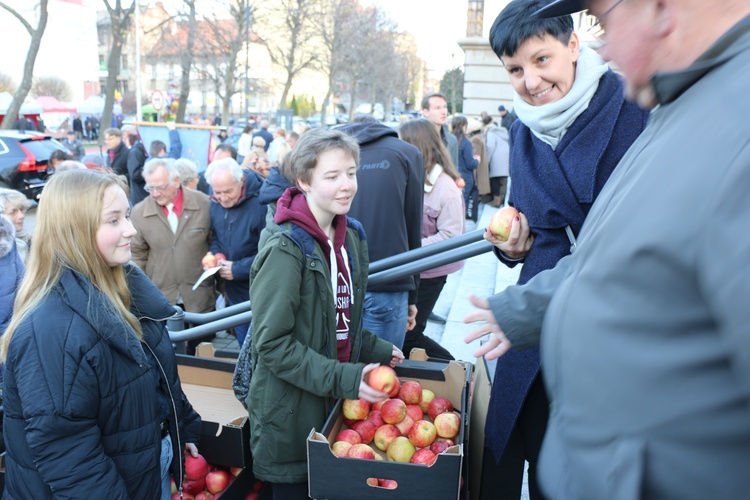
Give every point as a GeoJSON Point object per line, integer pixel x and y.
{"type": "Point", "coordinates": [166, 460]}
{"type": "Point", "coordinates": [385, 315]}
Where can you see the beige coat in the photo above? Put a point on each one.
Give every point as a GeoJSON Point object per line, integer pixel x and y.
{"type": "Point", "coordinates": [173, 261]}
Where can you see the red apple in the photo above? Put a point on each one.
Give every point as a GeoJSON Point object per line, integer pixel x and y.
{"type": "Point", "coordinates": [341, 448]}
{"type": "Point", "coordinates": [501, 222]}
{"type": "Point", "coordinates": [437, 406]}
{"type": "Point", "coordinates": [394, 391]}
{"type": "Point", "coordinates": [382, 379]}
{"type": "Point", "coordinates": [422, 434]}
{"type": "Point", "coordinates": [424, 457]}
{"type": "Point", "coordinates": [209, 260]}
{"type": "Point", "coordinates": [217, 481]}
{"type": "Point", "coordinates": [385, 435]}
{"type": "Point", "coordinates": [365, 429]}
{"type": "Point", "coordinates": [427, 396]}
{"type": "Point", "coordinates": [377, 406]}
{"type": "Point", "coordinates": [393, 411]}
{"type": "Point", "coordinates": [372, 481]}
{"type": "Point", "coordinates": [193, 486]}
{"type": "Point", "coordinates": [447, 424]}
{"type": "Point", "coordinates": [185, 496]}
{"type": "Point", "coordinates": [410, 392]}
{"type": "Point", "coordinates": [196, 467]}
{"type": "Point", "coordinates": [404, 426]}
{"type": "Point", "coordinates": [415, 412]}
{"type": "Point", "coordinates": [204, 495]}
{"type": "Point", "coordinates": [376, 418]}
{"type": "Point", "coordinates": [250, 496]}
{"type": "Point", "coordinates": [361, 451]}
{"type": "Point", "coordinates": [349, 435]}
{"type": "Point", "coordinates": [400, 450]}
{"type": "Point", "coordinates": [440, 445]}
{"type": "Point", "coordinates": [461, 183]}
{"type": "Point", "coordinates": [257, 486]}
{"type": "Point", "coordinates": [388, 484]}
{"type": "Point", "coordinates": [356, 409]}
{"type": "Point", "coordinates": [348, 421]}
{"type": "Point", "coordinates": [220, 256]}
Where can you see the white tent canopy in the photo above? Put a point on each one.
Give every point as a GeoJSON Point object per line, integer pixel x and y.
{"type": "Point", "coordinates": [94, 105]}
{"type": "Point", "coordinates": [26, 108]}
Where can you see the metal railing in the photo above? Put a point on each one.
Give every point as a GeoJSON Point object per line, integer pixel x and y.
{"type": "Point", "coordinates": [389, 269]}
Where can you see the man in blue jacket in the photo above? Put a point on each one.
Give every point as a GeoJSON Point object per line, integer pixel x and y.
{"type": "Point", "coordinates": [237, 218]}
{"type": "Point", "coordinates": [390, 210]}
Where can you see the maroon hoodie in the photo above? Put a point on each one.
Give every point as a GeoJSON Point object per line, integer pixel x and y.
{"type": "Point", "coordinates": [292, 207]}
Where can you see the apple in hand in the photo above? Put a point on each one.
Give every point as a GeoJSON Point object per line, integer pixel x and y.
{"type": "Point", "coordinates": [461, 183]}
{"type": "Point", "coordinates": [422, 434]}
{"type": "Point", "coordinates": [502, 221]}
{"type": "Point", "coordinates": [400, 450]}
{"type": "Point", "coordinates": [196, 467]}
{"type": "Point", "coordinates": [220, 257]}
{"type": "Point", "coordinates": [383, 379]}
{"type": "Point", "coordinates": [209, 260]}
{"type": "Point", "coordinates": [385, 435]}
{"type": "Point", "coordinates": [356, 409]}
{"type": "Point", "coordinates": [447, 424]}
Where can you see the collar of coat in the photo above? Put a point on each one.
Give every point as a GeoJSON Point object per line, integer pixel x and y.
{"type": "Point", "coordinates": [670, 86]}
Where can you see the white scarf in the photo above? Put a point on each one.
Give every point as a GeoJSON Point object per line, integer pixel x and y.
{"type": "Point", "coordinates": [549, 122]}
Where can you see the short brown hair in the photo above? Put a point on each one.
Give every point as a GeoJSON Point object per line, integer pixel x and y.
{"type": "Point", "coordinates": [427, 97]}
{"type": "Point", "coordinates": [304, 157]}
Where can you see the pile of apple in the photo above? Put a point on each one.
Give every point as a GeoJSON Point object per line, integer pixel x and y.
{"type": "Point", "coordinates": [204, 481]}
{"type": "Point", "coordinates": [398, 425]}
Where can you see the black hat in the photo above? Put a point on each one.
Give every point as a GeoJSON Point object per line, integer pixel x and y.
{"type": "Point", "coordinates": [561, 8]}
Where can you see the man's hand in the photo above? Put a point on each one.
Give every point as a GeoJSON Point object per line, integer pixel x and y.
{"type": "Point", "coordinates": [171, 125]}
{"type": "Point", "coordinates": [192, 449]}
{"type": "Point", "coordinates": [365, 391]}
{"type": "Point", "coordinates": [497, 344]}
{"type": "Point", "coordinates": [519, 241]}
{"type": "Point", "coordinates": [411, 318]}
{"type": "Point", "coordinates": [226, 269]}
{"type": "Point", "coordinates": [396, 356]}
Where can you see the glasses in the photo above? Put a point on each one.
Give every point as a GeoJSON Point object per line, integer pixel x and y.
{"type": "Point", "coordinates": [597, 29]}
{"type": "Point", "coordinates": [151, 189]}
{"type": "Point", "coordinates": [14, 211]}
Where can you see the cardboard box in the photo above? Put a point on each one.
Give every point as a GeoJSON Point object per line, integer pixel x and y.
{"type": "Point", "coordinates": [334, 478]}
{"type": "Point", "coordinates": [225, 432]}
{"type": "Point", "coordinates": [480, 402]}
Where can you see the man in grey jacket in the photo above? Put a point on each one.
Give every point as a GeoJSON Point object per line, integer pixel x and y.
{"type": "Point", "coordinates": [644, 328]}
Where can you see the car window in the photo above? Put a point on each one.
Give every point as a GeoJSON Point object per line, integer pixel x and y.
{"type": "Point", "coordinates": [3, 147]}
{"type": "Point", "coordinates": [41, 149]}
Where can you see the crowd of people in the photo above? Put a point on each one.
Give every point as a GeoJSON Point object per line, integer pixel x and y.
{"type": "Point", "coordinates": [622, 349]}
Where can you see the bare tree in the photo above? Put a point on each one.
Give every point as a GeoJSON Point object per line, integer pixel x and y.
{"type": "Point", "coordinates": [187, 60]}
{"type": "Point", "coordinates": [120, 18]}
{"type": "Point", "coordinates": [291, 38]}
{"type": "Point", "coordinates": [53, 86]}
{"type": "Point", "coordinates": [221, 41]}
{"type": "Point", "coordinates": [28, 68]}
{"type": "Point", "coordinates": [7, 84]}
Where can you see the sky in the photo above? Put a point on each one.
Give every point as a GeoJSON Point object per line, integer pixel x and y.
{"type": "Point", "coordinates": [437, 25]}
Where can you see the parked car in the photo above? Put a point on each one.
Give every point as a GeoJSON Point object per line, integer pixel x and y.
{"type": "Point", "coordinates": [23, 161]}
{"type": "Point", "coordinates": [314, 120]}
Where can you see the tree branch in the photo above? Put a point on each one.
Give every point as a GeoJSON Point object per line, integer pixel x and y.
{"type": "Point", "coordinates": [19, 17]}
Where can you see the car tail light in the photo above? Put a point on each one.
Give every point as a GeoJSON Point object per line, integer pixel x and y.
{"type": "Point", "coordinates": [29, 163]}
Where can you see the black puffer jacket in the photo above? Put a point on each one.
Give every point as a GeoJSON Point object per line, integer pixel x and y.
{"type": "Point", "coordinates": [80, 401]}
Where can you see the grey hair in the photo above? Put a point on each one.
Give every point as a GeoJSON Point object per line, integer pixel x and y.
{"type": "Point", "coordinates": [168, 163]}
{"type": "Point", "coordinates": [187, 169]}
{"type": "Point", "coordinates": [228, 164]}
{"type": "Point", "coordinates": [70, 165]}
{"type": "Point", "coordinates": [13, 197]}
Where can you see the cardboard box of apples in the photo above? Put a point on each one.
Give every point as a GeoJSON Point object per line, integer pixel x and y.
{"type": "Point", "coordinates": [205, 481]}
{"type": "Point", "coordinates": [413, 443]}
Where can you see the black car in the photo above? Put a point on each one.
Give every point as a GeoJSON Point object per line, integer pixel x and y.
{"type": "Point", "coordinates": [23, 161]}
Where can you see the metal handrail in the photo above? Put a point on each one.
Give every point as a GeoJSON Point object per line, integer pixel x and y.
{"type": "Point", "coordinates": [382, 271]}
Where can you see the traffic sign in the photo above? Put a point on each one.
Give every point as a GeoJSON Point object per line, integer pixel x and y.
{"type": "Point", "coordinates": [157, 99]}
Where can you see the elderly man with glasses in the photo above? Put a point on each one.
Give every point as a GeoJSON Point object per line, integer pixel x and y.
{"type": "Point", "coordinates": [645, 344]}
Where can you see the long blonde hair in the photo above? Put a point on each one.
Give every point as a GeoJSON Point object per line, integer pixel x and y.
{"type": "Point", "coordinates": [68, 218]}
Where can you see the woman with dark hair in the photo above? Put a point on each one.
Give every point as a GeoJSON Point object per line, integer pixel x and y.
{"type": "Point", "coordinates": [575, 126]}
{"type": "Point", "coordinates": [93, 405]}
{"type": "Point", "coordinates": [467, 166]}
{"type": "Point", "coordinates": [442, 218]}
